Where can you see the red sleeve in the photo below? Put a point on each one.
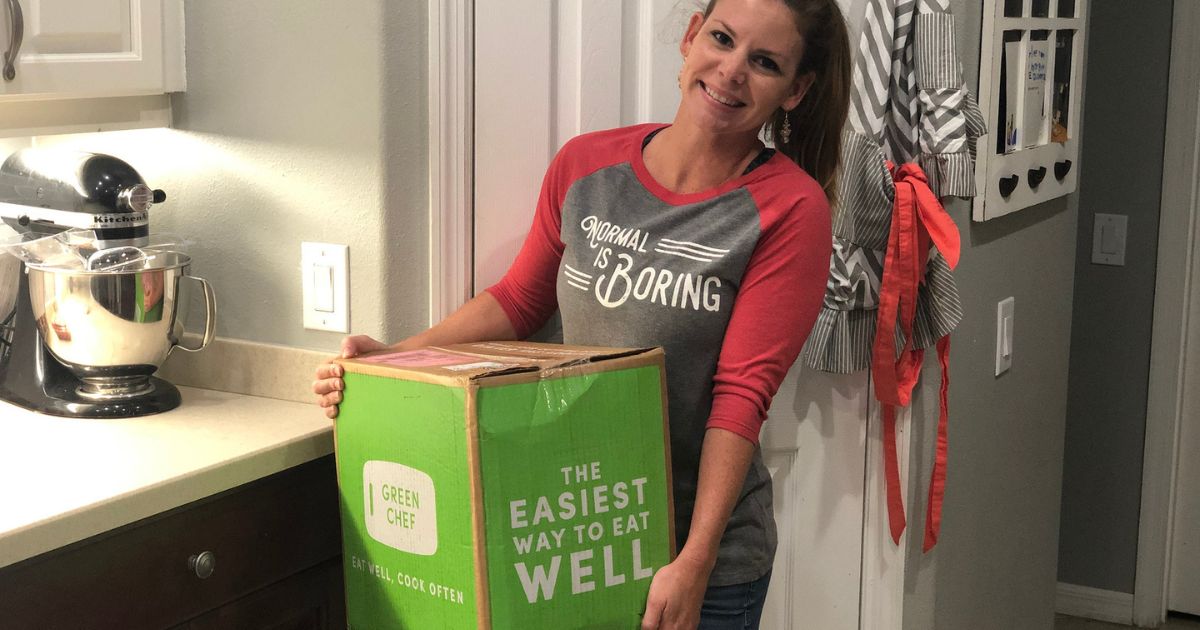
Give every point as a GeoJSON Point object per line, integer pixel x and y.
{"type": "Point", "coordinates": [778, 302]}
{"type": "Point", "coordinates": [527, 291]}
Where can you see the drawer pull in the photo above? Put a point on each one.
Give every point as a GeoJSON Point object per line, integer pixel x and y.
{"type": "Point", "coordinates": [203, 564]}
{"type": "Point", "coordinates": [14, 40]}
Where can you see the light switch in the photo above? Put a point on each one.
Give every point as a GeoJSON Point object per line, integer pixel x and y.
{"type": "Point", "coordinates": [1006, 346]}
{"type": "Point", "coordinates": [323, 288]}
{"type": "Point", "coordinates": [325, 282]}
{"type": "Point", "coordinates": [1004, 334]}
{"type": "Point", "coordinates": [1108, 239]}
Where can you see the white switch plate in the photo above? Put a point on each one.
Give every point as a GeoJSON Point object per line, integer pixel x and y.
{"type": "Point", "coordinates": [1108, 239]}
{"type": "Point", "coordinates": [325, 280]}
{"type": "Point", "coordinates": [1004, 334]}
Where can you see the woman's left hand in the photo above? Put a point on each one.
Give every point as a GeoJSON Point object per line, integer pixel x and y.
{"type": "Point", "coordinates": [676, 594]}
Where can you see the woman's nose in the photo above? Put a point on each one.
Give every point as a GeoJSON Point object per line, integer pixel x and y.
{"type": "Point", "coordinates": [733, 68]}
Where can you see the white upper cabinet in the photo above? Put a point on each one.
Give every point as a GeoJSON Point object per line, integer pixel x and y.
{"type": "Point", "coordinates": [89, 48]}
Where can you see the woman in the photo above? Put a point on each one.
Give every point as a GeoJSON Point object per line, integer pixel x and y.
{"type": "Point", "coordinates": [693, 237]}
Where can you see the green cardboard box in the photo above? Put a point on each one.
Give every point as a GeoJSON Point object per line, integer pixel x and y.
{"type": "Point", "coordinates": [503, 485]}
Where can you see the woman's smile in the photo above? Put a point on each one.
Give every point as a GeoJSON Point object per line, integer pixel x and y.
{"type": "Point", "coordinates": [720, 97]}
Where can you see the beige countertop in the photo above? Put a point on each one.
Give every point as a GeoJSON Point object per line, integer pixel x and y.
{"type": "Point", "coordinates": [63, 480]}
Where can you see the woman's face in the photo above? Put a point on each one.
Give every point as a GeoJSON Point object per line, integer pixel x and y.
{"type": "Point", "coordinates": [740, 65]}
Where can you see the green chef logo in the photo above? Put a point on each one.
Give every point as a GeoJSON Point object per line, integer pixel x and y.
{"type": "Point", "coordinates": [400, 507]}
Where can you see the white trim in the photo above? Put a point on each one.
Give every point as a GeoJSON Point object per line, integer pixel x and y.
{"type": "Point", "coordinates": [883, 562]}
{"type": "Point", "coordinates": [174, 47]}
{"type": "Point", "coordinates": [1093, 603]}
{"type": "Point", "coordinates": [451, 133]}
{"type": "Point", "coordinates": [785, 459]}
{"type": "Point", "coordinates": [1173, 287]}
{"type": "Point", "coordinates": [645, 55]}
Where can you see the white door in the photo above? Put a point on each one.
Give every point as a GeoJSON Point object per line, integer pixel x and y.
{"type": "Point", "coordinates": [546, 71]}
{"type": "Point", "coordinates": [1184, 581]}
{"type": "Point", "coordinates": [814, 444]}
{"type": "Point", "coordinates": [85, 47]}
{"type": "Point", "coordinates": [1183, 593]}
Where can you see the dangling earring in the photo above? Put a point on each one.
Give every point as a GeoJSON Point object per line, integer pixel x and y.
{"type": "Point", "coordinates": [786, 130]}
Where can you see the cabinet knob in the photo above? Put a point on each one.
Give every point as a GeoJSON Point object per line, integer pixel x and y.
{"type": "Point", "coordinates": [1062, 168]}
{"type": "Point", "coordinates": [203, 564]}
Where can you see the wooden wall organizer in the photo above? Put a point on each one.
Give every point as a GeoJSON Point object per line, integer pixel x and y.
{"type": "Point", "coordinates": [1031, 151]}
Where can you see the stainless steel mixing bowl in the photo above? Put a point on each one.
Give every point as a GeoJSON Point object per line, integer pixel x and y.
{"type": "Point", "coordinates": [113, 329]}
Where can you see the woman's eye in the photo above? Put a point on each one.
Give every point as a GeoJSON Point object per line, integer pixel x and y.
{"type": "Point", "coordinates": [721, 38]}
{"type": "Point", "coordinates": [768, 64]}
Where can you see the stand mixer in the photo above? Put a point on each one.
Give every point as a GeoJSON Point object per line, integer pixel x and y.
{"type": "Point", "coordinates": [88, 306]}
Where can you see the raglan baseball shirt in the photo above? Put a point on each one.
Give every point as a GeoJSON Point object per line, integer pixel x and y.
{"type": "Point", "coordinates": [728, 281]}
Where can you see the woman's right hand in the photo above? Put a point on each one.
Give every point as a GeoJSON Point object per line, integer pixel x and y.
{"type": "Point", "coordinates": [329, 384]}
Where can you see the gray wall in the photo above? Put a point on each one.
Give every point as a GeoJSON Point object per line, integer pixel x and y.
{"type": "Point", "coordinates": [1110, 336]}
{"type": "Point", "coordinates": [995, 564]}
{"type": "Point", "coordinates": [302, 121]}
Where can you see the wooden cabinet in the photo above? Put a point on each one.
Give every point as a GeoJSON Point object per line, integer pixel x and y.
{"type": "Point", "coordinates": [88, 48]}
{"type": "Point", "coordinates": [276, 550]}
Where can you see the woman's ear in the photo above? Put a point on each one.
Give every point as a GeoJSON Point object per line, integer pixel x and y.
{"type": "Point", "coordinates": [693, 29]}
{"type": "Point", "coordinates": [799, 88]}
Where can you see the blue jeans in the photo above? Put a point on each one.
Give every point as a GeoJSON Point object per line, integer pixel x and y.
{"type": "Point", "coordinates": [734, 607]}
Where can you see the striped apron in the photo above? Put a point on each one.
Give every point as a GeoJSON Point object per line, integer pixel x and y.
{"type": "Point", "coordinates": [909, 107]}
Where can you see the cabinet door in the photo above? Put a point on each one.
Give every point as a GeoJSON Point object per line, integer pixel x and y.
{"type": "Point", "coordinates": [311, 600]}
{"type": "Point", "coordinates": [86, 47]}
{"type": "Point", "coordinates": [138, 577]}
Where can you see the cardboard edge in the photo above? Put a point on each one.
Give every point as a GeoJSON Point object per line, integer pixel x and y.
{"type": "Point", "coordinates": [483, 605]}
{"type": "Point", "coordinates": [660, 360]}
{"type": "Point", "coordinates": [354, 367]}
{"type": "Point", "coordinates": [337, 473]}
{"type": "Point", "coordinates": [641, 357]}
{"type": "Point", "coordinates": [534, 361]}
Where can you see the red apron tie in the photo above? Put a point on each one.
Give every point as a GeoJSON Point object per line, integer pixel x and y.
{"type": "Point", "coordinates": [918, 221]}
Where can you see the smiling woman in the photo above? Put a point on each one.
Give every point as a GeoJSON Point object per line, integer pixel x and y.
{"type": "Point", "coordinates": [696, 213]}
{"type": "Point", "coordinates": [783, 64]}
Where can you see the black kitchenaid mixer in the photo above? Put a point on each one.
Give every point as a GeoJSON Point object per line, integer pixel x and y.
{"type": "Point", "coordinates": [72, 215]}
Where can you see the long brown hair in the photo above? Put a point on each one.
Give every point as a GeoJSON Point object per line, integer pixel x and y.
{"type": "Point", "coordinates": [816, 138]}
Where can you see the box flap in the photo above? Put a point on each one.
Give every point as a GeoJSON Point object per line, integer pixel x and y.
{"type": "Point", "coordinates": [485, 359]}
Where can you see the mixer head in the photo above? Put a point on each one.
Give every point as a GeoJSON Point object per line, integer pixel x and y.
{"type": "Point", "coordinates": [48, 191]}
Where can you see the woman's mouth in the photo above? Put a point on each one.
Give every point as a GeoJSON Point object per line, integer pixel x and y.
{"type": "Point", "coordinates": [728, 102]}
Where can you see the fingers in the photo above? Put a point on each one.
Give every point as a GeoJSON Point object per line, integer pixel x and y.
{"type": "Point", "coordinates": [329, 379]}
{"type": "Point", "coordinates": [333, 397]}
{"type": "Point", "coordinates": [328, 387]}
{"type": "Point", "coordinates": [330, 370]}
{"type": "Point", "coordinates": [356, 345]}
{"type": "Point", "coordinates": [654, 612]}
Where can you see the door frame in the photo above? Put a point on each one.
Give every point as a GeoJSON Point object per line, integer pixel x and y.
{"type": "Point", "coordinates": [451, 90]}
{"type": "Point", "coordinates": [1175, 282]}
